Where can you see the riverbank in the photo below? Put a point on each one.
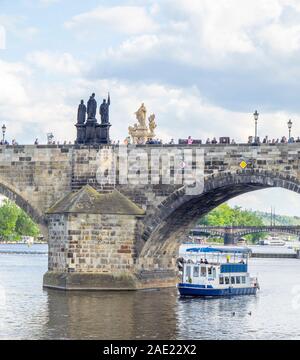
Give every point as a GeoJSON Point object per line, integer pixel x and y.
{"type": "Point", "coordinates": [22, 243]}
{"type": "Point", "coordinates": [269, 251]}
{"type": "Point", "coordinates": [37, 249]}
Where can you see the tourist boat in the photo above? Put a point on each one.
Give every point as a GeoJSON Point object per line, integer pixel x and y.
{"type": "Point", "coordinates": [272, 241]}
{"type": "Point", "coordinates": [216, 271]}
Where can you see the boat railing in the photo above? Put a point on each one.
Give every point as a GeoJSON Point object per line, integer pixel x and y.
{"type": "Point", "coordinates": [215, 263]}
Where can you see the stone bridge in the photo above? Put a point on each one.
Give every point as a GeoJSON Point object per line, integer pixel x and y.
{"type": "Point", "coordinates": [231, 234]}
{"type": "Point", "coordinates": [122, 231]}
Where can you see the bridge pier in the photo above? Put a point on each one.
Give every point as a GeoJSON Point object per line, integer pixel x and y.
{"type": "Point", "coordinates": [229, 238]}
{"type": "Point", "coordinates": [93, 243]}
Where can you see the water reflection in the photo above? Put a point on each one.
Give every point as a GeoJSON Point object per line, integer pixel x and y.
{"type": "Point", "coordinates": [214, 318]}
{"type": "Point", "coordinates": [111, 315]}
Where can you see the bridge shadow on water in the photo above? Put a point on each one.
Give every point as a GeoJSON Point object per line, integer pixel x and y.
{"type": "Point", "coordinates": [111, 315]}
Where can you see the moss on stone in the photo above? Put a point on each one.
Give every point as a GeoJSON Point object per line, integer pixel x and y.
{"type": "Point", "coordinates": [88, 200]}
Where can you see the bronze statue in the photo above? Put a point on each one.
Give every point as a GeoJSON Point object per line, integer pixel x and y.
{"type": "Point", "coordinates": [92, 107]}
{"type": "Point", "coordinates": [104, 111]}
{"type": "Point", "coordinates": [90, 132]}
{"type": "Point", "coordinates": [81, 114]}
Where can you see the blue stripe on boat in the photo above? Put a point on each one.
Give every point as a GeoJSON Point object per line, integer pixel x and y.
{"type": "Point", "coordinates": [234, 268]}
{"type": "Point", "coordinates": [200, 290]}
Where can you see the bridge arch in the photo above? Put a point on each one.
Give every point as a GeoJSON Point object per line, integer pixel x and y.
{"type": "Point", "coordinates": [239, 231]}
{"type": "Point", "coordinates": [13, 194]}
{"type": "Point", "coordinates": [173, 218]}
{"type": "Point", "coordinates": [290, 231]}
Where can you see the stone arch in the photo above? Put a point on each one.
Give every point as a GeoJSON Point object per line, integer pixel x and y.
{"type": "Point", "coordinates": [165, 228]}
{"type": "Point", "coordinates": [13, 194]}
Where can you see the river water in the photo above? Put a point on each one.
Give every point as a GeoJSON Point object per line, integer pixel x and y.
{"type": "Point", "coordinates": [29, 312]}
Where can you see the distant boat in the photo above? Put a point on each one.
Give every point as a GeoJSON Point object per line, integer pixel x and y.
{"type": "Point", "coordinates": [272, 241]}
{"type": "Point", "coordinates": [216, 271]}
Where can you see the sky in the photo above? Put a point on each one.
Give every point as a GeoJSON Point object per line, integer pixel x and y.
{"type": "Point", "coordinates": [203, 67]}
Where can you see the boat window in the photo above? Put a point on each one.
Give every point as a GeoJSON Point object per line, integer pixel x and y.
{"type": "Point", "coordinates": [238, 279]}
{"type": "Point", "coordinates": [232, 280]}
{"type": "Point", "coordinates": [196, 271]}
{"type": "Point", "coordinates": [214, 273]}
{"type": "Point", "coordinates": [243, 279]}
{"type": "Point", "coordinates": [203, 271]}
{"type": "Point", "coordinates": [221, 280]}
{"type": "Point", "coordinates": [209, 271]}
{"type": "Point", "coordinates": [226, 280]}
{"type": "Point", "coordinates": [188, 271]}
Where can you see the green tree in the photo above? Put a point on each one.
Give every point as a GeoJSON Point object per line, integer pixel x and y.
{"type": "Point", "coordinates": [25, 226]}
{"type": "Point", "coordinates": [15, 223]}
{"type": "Point", "coordinates": [224, 215]}
{"type": "Point", "coordinates": [9, 213]}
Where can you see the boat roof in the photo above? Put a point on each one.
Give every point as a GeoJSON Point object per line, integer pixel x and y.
{"type": "Point", "coordinates": [235, 250]}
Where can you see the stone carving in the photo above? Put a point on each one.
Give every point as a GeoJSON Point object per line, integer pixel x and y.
{"type": "Point", "coordinates": [81, 114]}
{"type": "Point", "coordinates": [92, 107]}
{"type": "Point", "coordinates": [90, 132]}
{"type": "Point", "coordinates": [104, 111]}
{"type": "Point", "coordinates": [140, 132]}
{"type": "Point", "coordinates": [152, 125]}
{"type": "Point", "coordinates": [141, 116]}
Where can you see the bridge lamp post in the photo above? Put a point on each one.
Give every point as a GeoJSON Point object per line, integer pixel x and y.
{"type": "Point", "coordinates": [256, 115]}
{"type": "Point", "coordinates": [290, 124]}
{"type": "Point", "coordinates": [3, 132]}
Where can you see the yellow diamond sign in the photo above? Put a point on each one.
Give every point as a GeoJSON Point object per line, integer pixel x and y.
{"type": "Point", "coordinates": [243, 164]}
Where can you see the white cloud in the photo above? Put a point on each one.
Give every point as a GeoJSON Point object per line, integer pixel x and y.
{"type": "Point", "coordinates": [143, 47]}
{"type": "Point", "coordinates": [227, 26]}
{"type": "Point", "coordinates": [17, 25]}
{"type": "Point", "coordinates": [12, 85]}
{"type": "Point", "coordinates": [206, 33]}
{"type": "Point", "coordinates": [282, 39]}
{"type": "Point", "coordinates": [30, 105]}
{"type": "Point", "coordinates": [125, 19]}
{"type": "Point", "coordinates": [63, 63]}
{"type": "Point", "coordinates": [2, 38]}
{"type": "Point", "coordinates": [48, 2]}
{"type": "Point", "coordinates": [180, 112]}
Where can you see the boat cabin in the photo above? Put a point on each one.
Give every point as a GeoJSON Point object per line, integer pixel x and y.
{"type": "Point", "coordinates": [220, 266]}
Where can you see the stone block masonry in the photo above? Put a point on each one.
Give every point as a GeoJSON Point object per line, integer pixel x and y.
{"type": "Point", "coordinates": [141, 245]}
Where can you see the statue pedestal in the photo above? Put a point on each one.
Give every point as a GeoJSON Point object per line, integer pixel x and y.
{"type": "Point", "coordinates": [80, 134]}
{"type": "Point", "coordinates": [90, 131]}
{"type": "Point", "coordinates": [103, 137]}
{"type": "Point", "coordinates": [140, 135]}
